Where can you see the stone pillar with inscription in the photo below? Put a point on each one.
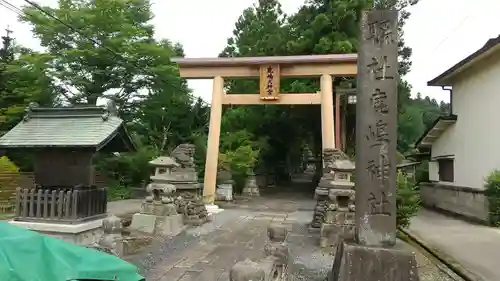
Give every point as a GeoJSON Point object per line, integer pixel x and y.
{"type": "Point", "coordinates": [373, 256]}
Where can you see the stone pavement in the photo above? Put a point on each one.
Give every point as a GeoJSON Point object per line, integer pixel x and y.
{"type": "Point", "coordinates": [474, 247]}
{"type": "Point", "coordinates": [208, 252]}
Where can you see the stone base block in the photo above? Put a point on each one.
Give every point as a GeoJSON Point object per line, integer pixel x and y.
{"type": "Point", "coordinates": [355, 262]}
{"type": "Point", "coordinates": [339, 217]}
{"type": "Point", "coordinates": [195, 221]}
{"type": "Point", "coordinates": [277, 232]}
{"type": "Point", "coordinates": [246, 270]}
{"type": "Point", "coordinates": [157, 225]}
{"type": "Point", "coordinates": [85, 233]}
{"type": "Point", "coordinates": [280, 251]}
{"type": "Point", "coordinates": [158, 209]}
{"type": "Point", "coordinates": [122, 246]}
{"type": "Point", "coordinates": [213, 209]}
{"type": "Point", "coordinates": [132, 245]}
{"type": "Point", "coordinates": [333, 234]}
{"type": "Point", "coordinates": [265, 269]}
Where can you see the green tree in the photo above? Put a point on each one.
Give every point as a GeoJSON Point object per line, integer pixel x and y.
{"type": "Point", "coordinates": [98, 48]}
{"type": "Point", "coordinates": [23, 80]}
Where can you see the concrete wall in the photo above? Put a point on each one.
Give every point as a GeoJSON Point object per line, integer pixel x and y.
{"type": "Point", "coordinates": [463, 201]}
{"type": "Point", "coordinates": [474, 138]}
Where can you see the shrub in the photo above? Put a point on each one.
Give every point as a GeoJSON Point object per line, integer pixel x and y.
{"type": "Point", "coordinates": [130, 169]}
{"type": "Point", "coordinates": [7, 166]}
{"type": "Point", "coordinates": [422, 172]}
{"type": "Point", "coordinates": [118, 191]}
{"type": "Point", "coordinates": [492, 192]}
{"type": "Point", "coordinates": [407, 200]}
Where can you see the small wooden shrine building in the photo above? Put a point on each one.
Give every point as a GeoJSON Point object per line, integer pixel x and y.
{"type": "Point", "coordinates": [64, 142]}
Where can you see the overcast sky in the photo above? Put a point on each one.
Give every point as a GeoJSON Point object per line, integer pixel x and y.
{"type": "Point", "coordinates": [441, 32]}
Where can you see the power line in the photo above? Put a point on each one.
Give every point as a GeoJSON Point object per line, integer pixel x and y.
{"type": "Point", "coordinates": [11, 7]}
{"type": "Point", "coordinates": [123, 59]}
{"type": "Point", "coordinates": [457, 27]}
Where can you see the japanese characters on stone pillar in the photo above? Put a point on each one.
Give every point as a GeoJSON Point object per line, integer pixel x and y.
{"type": "Point", "coordinates": [269, 82]}
{"type": "Point", "coordinates": [376, 124]}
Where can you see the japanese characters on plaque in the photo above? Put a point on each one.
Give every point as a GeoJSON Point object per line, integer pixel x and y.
{"type": "Point", "coordinates": [376, 115]}
{"type": "Point", "coordinates": [269, 82]}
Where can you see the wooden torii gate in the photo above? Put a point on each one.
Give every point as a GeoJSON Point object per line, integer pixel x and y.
{"type": "Point", "coordinates": [270, 70]}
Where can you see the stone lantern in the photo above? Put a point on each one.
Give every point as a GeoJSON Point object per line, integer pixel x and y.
{"type": "Point", "coordinates": [158, 213]}
{"type": "Point", "coordinates": [334, 212]}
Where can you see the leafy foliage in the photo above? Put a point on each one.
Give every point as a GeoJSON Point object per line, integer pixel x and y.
{"type": "Point", "coordinates": [493, 194]}
{"type": "Point", "coordinates": [407, 200]}
{"type": "Point", "coordinates": [7, 166]}
{"type": "Point", "coordinates": [239, 154]}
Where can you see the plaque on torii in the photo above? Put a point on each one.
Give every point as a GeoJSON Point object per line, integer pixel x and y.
{"type": "Point", "coordinates": [269, 82]}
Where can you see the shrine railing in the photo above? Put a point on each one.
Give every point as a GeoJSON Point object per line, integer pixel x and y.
{"type": "Point", "coordinates": [64, 206]}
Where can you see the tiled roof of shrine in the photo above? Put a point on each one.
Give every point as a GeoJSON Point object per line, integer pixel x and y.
{"type": "Point", "coordinates": [78, 127]}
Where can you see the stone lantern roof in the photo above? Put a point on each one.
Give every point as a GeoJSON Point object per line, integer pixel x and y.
{"type": "Point", "coordinates": [164, 161]}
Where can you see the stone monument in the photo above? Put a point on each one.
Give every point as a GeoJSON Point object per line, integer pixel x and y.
{"type": "Point", "coordinates": [275, 264]}
{"type": "Point", "coordinates": [115, 243]}
{"type": "Point", "coordinates": [251, 188]}
{"type": "Point", "coordinates": [158, 215]}
{"type": "Point", "coordinates": [224, 191]}
{"type": "Point", "coordinates": [373, 256]}
{"type": "Point", "coordinates": [338, 221]}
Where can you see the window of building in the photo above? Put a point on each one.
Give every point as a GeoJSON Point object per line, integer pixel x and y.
{"type": "Point", "coordinates": [445, 170]}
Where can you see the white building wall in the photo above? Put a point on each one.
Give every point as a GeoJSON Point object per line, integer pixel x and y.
{"type": "Point", "coordinates": [475, 137]}
{"type": "Point", "coordinates": [445, 145]}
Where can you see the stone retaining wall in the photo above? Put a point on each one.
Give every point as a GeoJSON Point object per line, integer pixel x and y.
{"type": "Point", "coordinates": [463, 201]}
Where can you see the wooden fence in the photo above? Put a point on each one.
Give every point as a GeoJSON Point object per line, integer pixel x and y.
{"type": "Point", "coordinates": [65, 206]}
{"type": "Point", "coordinates": [9, 182]}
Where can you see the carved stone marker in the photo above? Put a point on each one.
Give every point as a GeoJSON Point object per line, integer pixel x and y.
{"type": "Point", "coordinates": [373, 257]}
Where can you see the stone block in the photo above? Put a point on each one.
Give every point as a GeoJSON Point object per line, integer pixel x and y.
{"type": "Point", "coordinates": [355, 262]}
{"type": "Point", "coordinates": [112, 225]}
{"type": "Point", "coordinates": [169, 225]}
{"type": "Point", "coordinates": [247, 270]}
{"type": "Point", "coordinates": [158, 209]}
{"type": "Point", "coordinates": [157, 225]}
{"type": "Point", "coordinates": [336, 195]}
{"type": "Point", "coordinates": [85, 233]}
{"type": "Point", "coordinates": [330, 235]}
{"type": "Point", "coordinates": [277, 232]}
{"type": "Point", "coordinates": [194, 221]}
{"type": "Point", "coordinates": [132, 245]}
{"type": "Point", "coordinates": [272, 271]}
{"type": "Point", "coordinates": [321, 191]}
{"type": "Point", "coordinates": [278, 250]}
{"type": "Point", "coordinates": [144, 223]}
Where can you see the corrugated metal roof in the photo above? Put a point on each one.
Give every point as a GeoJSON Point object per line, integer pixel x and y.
{"type": "Point", "coordinates": [63, 127]}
